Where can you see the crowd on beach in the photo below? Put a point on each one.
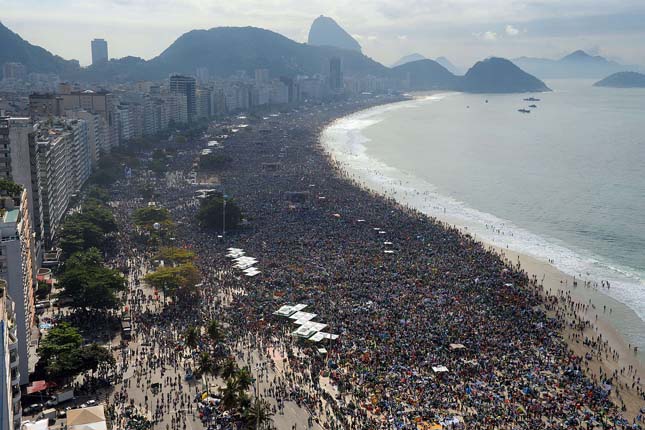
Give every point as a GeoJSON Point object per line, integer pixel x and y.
{"type": "Point", "coordinates": [433, 328]}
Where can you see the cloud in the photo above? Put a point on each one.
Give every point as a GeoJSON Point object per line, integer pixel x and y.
{"type": "Point", "coordinates": [487, 35]}
{"type": "Point", "coordinates": [511, 31]}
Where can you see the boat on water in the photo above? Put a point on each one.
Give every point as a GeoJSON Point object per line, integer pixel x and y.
{"type": "Point", "coordinates": [533, 106]}
{"type": "Point", "coordinates": [524, 111]}
{"type": "Point", "coordinates": [531, 99]}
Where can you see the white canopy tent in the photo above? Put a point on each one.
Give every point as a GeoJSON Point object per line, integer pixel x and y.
{"type": "Point", "coordinates": [302, 317]}
{"type": "Point", "coordinates": [322, 335]}
{"type": "Point", "coordinates": [308, 329]}
{"type": "Point", "coordinates": [38, 425]}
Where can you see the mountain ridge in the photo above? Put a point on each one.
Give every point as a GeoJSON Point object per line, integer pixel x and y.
{"type": "Point", "coordinates": [228, 50]}
{"type": "Point", "coordinates": [578, 64]}
{"type": "Point", "coordinates": [14, 48]}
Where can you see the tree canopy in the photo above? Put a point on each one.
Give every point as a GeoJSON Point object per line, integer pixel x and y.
{"type": "Point", "coordinates": [212, 212]}
{"type": "Point", "coordinates": [11, 188]}
{"type": "Point", "coordinates": [175, 255]}
{"type": "Point", "coordinates": [89, 283]}
{"type": "Point", "coordinates": [62, 352]}
{"type": "Point", "coordinates": [172, 280]}
{"type": "Point", "coordinates": [148, 216]}
{"type": "Point", "coordinates": [87, 229]}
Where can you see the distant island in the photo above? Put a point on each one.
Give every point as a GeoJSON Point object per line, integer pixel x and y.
{"type": "Point", "coordinates": [498, 75]}
{"type": "Point", "coordinates": [623, 80]}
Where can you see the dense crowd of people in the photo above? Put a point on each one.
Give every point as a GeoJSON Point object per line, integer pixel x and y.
{"type": "Point", "coordinates": [433, 327]}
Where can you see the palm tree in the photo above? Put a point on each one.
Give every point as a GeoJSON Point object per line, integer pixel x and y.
{"type": "Point", "coordinates": [206, 364]}
{"type": "Point", "coordinates": [229, 369]}
{"type": "Point", "coordinates": [258, 414]}
{"type": "Point", "coordinates": [244, 379]}
{"type": "Point", "coordinates": [215, 332]}
{"type": "Point", "coordinates": [230, 395]}
{"type": "Point", "coordinates": [192, 335]}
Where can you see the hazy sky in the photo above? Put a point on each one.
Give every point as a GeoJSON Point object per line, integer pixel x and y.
{"type": "Point", "coordinates": [462, 30]}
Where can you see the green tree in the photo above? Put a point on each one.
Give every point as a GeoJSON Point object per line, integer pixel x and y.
{"type": "Point", "coordinates": [59, 351]}
{"type": "Point", "coordinates": [175, 255]}
{"type": "Point", "coordinates": [10, 188]}
{"type": "Point", "coordinates": [172, 280]}
{"type": "Point", "coordinates": [78, 234]}
{"type": "Point", "coordinates": [192, 336]}
{"type": "Point", "coordinates": [229, 368]}
{"type": "Point", "coordinates": [230, 395]}
{"type": "Point", "coordinates": [244, 379]}
{"type": "Point", "coordinates": [148, 216]}
{"type": "Point", "coordinates": [213, 210]}
{"type": "Point", "coordinates": [93, 355]}
{"type": "Point", "coordinates": [206, 365]}
{"type": "Point", "coordinates": [92, 287]}
{"type": "Point", "coordinates": [84, 259]}
{"type": "Point", "coordinates": [98, 193]}
{"type": "Point", "coordinates": [258, 414]}
{"type": "Point", "coordinates": [215, 332]}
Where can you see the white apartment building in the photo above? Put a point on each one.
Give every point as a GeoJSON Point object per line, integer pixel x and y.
{"type": "Point", "coordinates": [10, 410]}
{"type": "Point", "coordinates": [18, 269]}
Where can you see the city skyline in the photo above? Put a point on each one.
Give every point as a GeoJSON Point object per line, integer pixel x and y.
{"type": "Point", "coordinates": [464, 31]}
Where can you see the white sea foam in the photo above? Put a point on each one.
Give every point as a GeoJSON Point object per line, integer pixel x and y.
{"type": "Point", "coordinates": [346, 143]}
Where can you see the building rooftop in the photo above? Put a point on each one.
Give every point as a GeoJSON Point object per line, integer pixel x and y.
{"type": "Point", "coordinates": [10, 215]}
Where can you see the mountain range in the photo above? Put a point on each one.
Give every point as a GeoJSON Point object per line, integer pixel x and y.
{"type": "Point", "coordinates": [578, 65]}
{"type": "Point", "coordinates": [441, 60]}
{"type": "Point", "coordinates": [227, 50]}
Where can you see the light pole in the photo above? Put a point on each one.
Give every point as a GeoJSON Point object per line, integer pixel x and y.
{"type": "Point", "coordinates": [224, 197]}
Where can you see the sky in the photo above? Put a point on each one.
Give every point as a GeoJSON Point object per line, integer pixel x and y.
{"type": "Point", "coordinates": [462, 30]}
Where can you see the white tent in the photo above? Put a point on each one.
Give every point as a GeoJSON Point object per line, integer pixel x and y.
{"type": "Point", "coordinates": [308, 329]}
{"type": "Point", "coordinates": [91, 426]}
{"type": "Point", "coordinates": [92, 418]}
{"type": "Point", "coordinates": [38, 425]}
{"type": "Point", "coordinates": [299, 307]}
{"type": "Point", "coordinates": [322, 335]}
{"type": "Point", "coordinates": [302, 317]}
{"type": "Point", "coordinates": [439, 369]}
{"type": "Point", "coordinates": [284, 311]}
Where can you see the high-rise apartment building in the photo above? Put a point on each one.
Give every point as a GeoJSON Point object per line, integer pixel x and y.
{"type": "Point", "coordinates": [96, 133]}
{"type": "Point", "coordinates": [18, 267]}
{"type": "Point", "coordinates": [63, 164]}
{"type": "Point", "coordinates": [335, 74]}
{"type": "Point", "coordinates": [185, 85]}
{"type": "Point", "coordinates": [14, 71]}
{"type": "Point", "coordinates": [99, 51]}
{"type": "Point", "coordinates": [261, 76]}
{"type": "Point", "coordinates": [18, 163]}
{"type": "Point", "coordinates": [10, 410]}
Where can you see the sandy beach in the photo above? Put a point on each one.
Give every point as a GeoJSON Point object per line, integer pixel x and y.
{"type": "Point", "coordinates": [553, 281]}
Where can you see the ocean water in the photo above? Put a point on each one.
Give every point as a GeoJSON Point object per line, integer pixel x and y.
{"type": "Point", "coordinates": [565, 183]}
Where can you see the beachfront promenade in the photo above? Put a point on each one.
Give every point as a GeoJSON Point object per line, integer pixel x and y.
{"type": "Point", "coordinates": [433, 328]}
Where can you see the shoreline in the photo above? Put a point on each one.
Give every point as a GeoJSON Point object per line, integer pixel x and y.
{"type": "Point", "coordinates": [552, 282]}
